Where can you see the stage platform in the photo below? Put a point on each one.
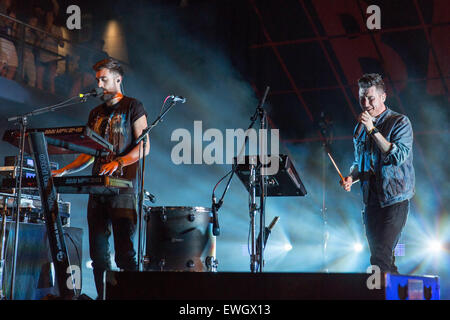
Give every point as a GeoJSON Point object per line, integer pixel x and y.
{"type": "Point", "coordinates": [151, 285]}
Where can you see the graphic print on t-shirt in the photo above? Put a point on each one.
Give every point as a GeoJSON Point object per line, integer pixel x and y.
{"type": "Point", "coordinates": [113, 129]}
{"type": "Point", "coordinates": [115, 124]}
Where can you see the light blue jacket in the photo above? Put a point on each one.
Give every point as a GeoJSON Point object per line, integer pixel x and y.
{"type": "Point", "coordinates": [394, 170]}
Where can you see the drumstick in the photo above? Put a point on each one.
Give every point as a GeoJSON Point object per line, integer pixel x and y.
{"type": "Point", "coordinates": [337, 169]}
{"type": "Point", "coordinates": [335, 165]}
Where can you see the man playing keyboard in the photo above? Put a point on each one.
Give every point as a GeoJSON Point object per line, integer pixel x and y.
{"type": "Point", "coordinates": [120, 120]}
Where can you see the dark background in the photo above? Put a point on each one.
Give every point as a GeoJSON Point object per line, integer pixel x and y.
{"type": "Point", "coordinates": [221, 55]}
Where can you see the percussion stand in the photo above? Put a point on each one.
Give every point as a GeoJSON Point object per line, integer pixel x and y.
{"type": "Point", "coordinates": [143, 138]}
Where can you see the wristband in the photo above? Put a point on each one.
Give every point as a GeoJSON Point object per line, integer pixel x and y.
{"type": "Point", "coordinates": [373, 131]}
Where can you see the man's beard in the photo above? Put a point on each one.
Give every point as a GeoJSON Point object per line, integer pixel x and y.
{"type": "Point", "coordinates": [106, 97]}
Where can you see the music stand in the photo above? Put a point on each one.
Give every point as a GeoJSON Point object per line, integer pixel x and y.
{"type": "Point", "coordinates": [284, 183]}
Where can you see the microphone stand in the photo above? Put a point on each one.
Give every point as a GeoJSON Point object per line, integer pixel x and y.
{"type": "Point", "coordinates": [326, 130]}
{"type": "Point", "coordinates": [22, 120]}
{"type": "Point", "coordinates": [262, 197]}
{"type": "Point", "coordinates": [216, 206]}
{"type": "Point", "coordinates": [143, 138]}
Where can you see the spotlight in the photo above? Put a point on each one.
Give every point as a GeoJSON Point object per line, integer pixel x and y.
{"type": "Point", "coordinates": [358, 247]}
{"type": "Point", "coordinates": [435, 246]}
{"type": "Point", "coordinates": [89, 264]}
{"type": "Point", "coordinates": [287, 247]}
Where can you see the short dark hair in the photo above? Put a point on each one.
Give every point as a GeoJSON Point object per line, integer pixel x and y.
{"type": "Point", "coordinates": [371, 79]}
{"type": "Point", "coordinates": [110, 64]}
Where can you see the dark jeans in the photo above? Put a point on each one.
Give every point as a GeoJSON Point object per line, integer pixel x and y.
{"type": "Point", "coordinates": [118, 212]}
{"type": "Point", "coordinates": [383, 228]}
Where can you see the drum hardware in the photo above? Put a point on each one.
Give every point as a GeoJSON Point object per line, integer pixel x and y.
{"type": "Point", "coordinates": [149, 196]}
{"type": "Point", "coordinates": [161, 264]}
{"type": "Point", "coordinates": [211, 264]}
{"type": "Point", "coordinates": [191, 217]}
{"type": "Point", "coordinates": [190, 264]}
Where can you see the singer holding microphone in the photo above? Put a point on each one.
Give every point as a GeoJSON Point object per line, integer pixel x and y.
{"type": "Point", "coordinates": [120, 120]}
{"type": "Point", "coordinates": [383, 141]}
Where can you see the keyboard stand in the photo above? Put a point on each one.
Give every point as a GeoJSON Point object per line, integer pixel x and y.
{"type": "Point", "coordinates": [47, 192]}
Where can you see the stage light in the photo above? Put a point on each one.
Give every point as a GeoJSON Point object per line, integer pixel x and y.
{"type": "Point", "coordinates": [287, 247]}
{"type": "Point", "coordinates": [358, 247]}
{"type": "Point", "coordinates": [89, 264]}
{"type": "Point", "coordinates": [435, 246]}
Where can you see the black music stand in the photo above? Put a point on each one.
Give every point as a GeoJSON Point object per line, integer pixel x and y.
{"type": "Point", "coordinates": [284, 183]}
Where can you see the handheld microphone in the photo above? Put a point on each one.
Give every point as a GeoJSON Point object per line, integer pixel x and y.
{"type": "Point", "coordinates": [178, 98]}
{"type": "Point", "coordinates": [96, 92]}
{"type": "Point", "coordinates": [360, 127]}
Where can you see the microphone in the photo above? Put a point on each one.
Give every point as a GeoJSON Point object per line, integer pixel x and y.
{"type": "Point", "coordinates": [96, 92]}
{"type": "Point", "coordinates": [178, 98]}
{"type": "Point", "coordinates": [215, 226]}
{"type": "Point", "coordinates": [360, 127]}
{"type": "Point", "coordinates": [267, 231]}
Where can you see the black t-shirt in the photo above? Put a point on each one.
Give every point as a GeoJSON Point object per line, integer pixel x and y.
{"type": "Point", "coordinates": [115, 124]}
